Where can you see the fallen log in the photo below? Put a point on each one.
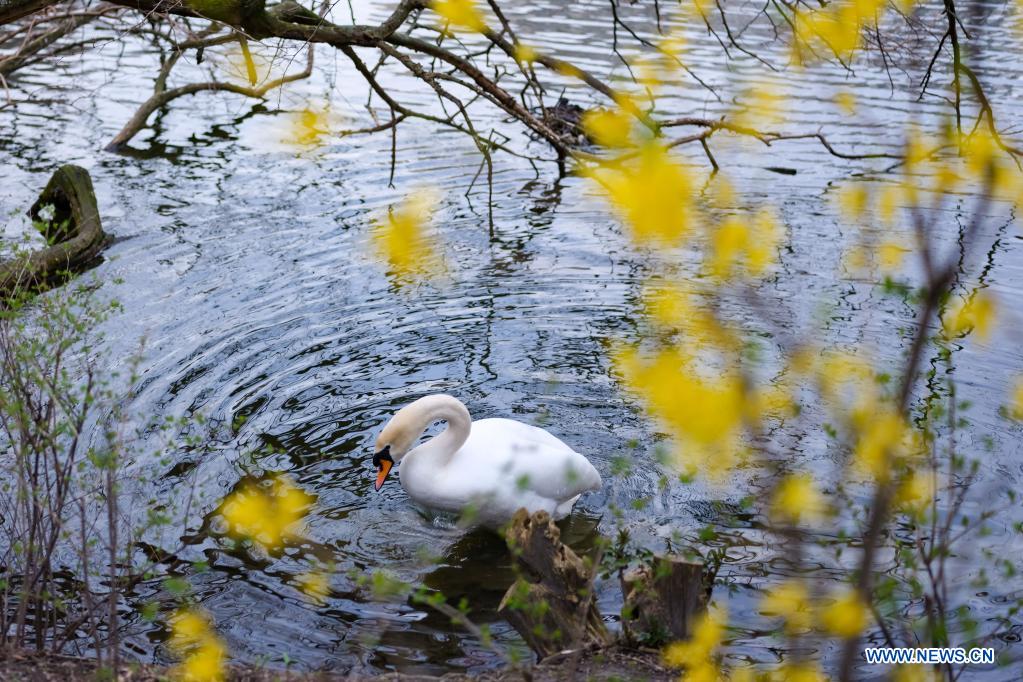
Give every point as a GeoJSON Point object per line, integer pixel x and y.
{"type": "Point", "coordinates": [73, 232]}
{"type": "Point", "coordinates": [552, 604]}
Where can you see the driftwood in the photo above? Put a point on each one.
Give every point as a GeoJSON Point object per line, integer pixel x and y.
{"type": "Point", "coordinates": [663, 599]}
{"type": "Point", "coordinates": [552, 605]}
{"type": "Point", "coordinates": [74, 233]}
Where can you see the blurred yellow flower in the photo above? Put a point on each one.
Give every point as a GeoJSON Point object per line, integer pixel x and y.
{"type": "Point", "coordinates": [568, 69]}
{"type": "Point", "coordinates": [524, 53]}
{"type": "Point", "coordinates": [652, 193]}
{"type": "Point", "coordinates": [1016, 408]}
{"type": "Point", "coordinates": [887, 203]}
{"type": "Point", "coordinates": [307, 126]}
{"type": "Point", "coordinates": [852, 200]}
{"type": "Point", "coordinates": [608, 127]}
{"type": "Point", "coordinates": [267, 515]}
{"type": "Point", "coordinates": [761, 106]}
{"type": "Point", "coordinates": [205, 664]}
{"type": "Point", "coordinates": [846, 101]}
{"type": "Point", "coordinates": [799, 672]}
{"type": "Point", "coordinates": [837, 27]}
{"type": "Point", "coordinates": [846, 616]}
{"type": "Point", "coordinates": [915, 493]}
{"type": "Point", "coordinates": [881, 438]}
{"type": "Point", "coordinates": [797, 500]}
{"type": "Point", "coordinates": [890, 255]}
{"type": "Point", "coordinates": [697, 654]}
{"type": "Point", "coordinates": [789, 601]}
{"type": "Point", "coordinates": [856, 258]}
{"type": "Point", "coordinates": [704, 416]}
{"type": "Point", "coordinates": [315, 585]}
{"type": "Point", "coordinates": [402, 238]}
{"type": "Point", "coordinates": [193, 637]}
{"type": "Point", "coordinates": [461, 14]}
{"type": "Point", "coordinates": [188, 628]}
{"type": "Point", "coordinates": [740, 248]}
{"type": "Point", "coordinates": [967, 314]}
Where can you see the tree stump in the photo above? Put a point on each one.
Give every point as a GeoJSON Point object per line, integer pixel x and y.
{"type": "Point", "coordinates": [552, 605]}
{"type": "Point", "coordinates": [74, 233]}
{"type": "Point", "coordinates": [664, 599]}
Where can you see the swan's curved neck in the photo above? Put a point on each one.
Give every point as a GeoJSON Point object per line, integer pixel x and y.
{"type": "Point", "coordinates": [430, 409]}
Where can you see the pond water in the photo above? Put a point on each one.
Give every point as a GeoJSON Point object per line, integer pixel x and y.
{"type": "Point", "coordinates": [244, 269]}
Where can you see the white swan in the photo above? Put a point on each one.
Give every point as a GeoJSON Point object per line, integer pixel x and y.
{"type": "Point", "coordinates": [491, 467]}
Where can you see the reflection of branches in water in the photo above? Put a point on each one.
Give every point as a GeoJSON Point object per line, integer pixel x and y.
{"type": "Point", "coordinates": [162, 96]}
{"type": "Point", "coordinates": [463, 75]}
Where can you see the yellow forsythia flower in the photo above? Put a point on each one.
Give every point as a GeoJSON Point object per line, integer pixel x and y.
{"type": "Point", "coordinates": [887, 202]}
{"type": "Point", "coordinates": [799, 672]}
{"type": "Point", "coordinates": [889, 256]}
{"type": "Point", "coordinates": [205, 664]}
{"type": "Point", "coordinates": [189, 627]}
{"type": "Point", "coordinates": [267, 515]}
{"type": "Point", "coordinates": [652, 193]}
{"type": "Point", "coordinates": [966, 314]}
{"type": "Point", "coordinates": [525, 53]}
{"type": "Point", "coordinates": [697, 654]}
{"type": "Point", "coordinates": [608, 127]}
{"type": "Point", "coordinates": [315, 585]}
{"type": "Point", "coordinates": [704, 416]}
{"type": "Point", "coordinates": [846, 616]}
{"type": "Point", "coordinates": [846, 101]}
{"type": "Point", "coordinates": [460, 13]}
{"type": "Point", "coordinates": [791, 602]}
{"type": "Point", "coordinates": [1016, 409]}
{"type": "Point", "coordinates": [402, 238]}
{"type": "Point", "coordinates": [744, 248]}
{"type": "Point", "coordinates": [308, 126]}
{"type": "Point", "coordinates": [915, 493]}
{"type": "Point", "coordinates": [193, 637]}
{"type": "Point", "coordinates": [796, 499]}
{"type": "Point", "coordinates": [882, 435]}
{"type": "Point", "coordinates": [852, 199]}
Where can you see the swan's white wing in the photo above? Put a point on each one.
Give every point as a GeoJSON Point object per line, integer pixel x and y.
{"type": "Point", "coordinates": [518, 459]}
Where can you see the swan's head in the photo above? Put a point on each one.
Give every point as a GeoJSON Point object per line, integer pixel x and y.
{"type": "Point", "coordinates": [393, 443]}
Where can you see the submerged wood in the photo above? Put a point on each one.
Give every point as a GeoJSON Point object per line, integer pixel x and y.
{"type": "Point", "coordinates": [74, 233]}
{"type": "Point", "coordinates": [552, 605]}
{"type": "Point", "coordinates": [663, 599]}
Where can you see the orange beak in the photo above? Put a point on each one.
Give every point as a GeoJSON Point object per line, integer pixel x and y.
{"type": "Point", "coordinates": [385, 468]}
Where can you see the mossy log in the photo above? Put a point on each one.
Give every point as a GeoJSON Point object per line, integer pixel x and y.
{"type": "Point", "coordinates": [663, 599]}
{"type": "Point", "coordinates": [552, 605]}
{"type": "Point", "coordinates": [73, 231]}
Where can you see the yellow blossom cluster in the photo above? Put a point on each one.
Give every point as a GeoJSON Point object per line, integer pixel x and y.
{"type": "Point", "coordinates": [796, 500]}
{"type": "Point", "coordinates": [202, 651]}
{"type": "Point", "coordinates": [744, 247]}
{"type": "Point", "coordinates": [648, 188]}
{"type": "Point", "coordinates": [307, 126]}
{"type": "Point", "coordinates": [460, 14]}
{"type": "Point", "coordinates": [1016, 406]}
{"type": "Point", "coordinates": [315, 585]}
{"type": "Point", "coordinates": [266, 513]}
{"type": "Point", "coordinates": [883, 440]}
{"type": "Point", "coordinates": [841, 614]}
{"type": "Point", "coordinates": [705, 416]}
{"type": "Point", "coordinates": [835, 28]}
{"type": "Point", "coordinates": [966, 314]}
{"type": "Point", "coordinates": [402, 237]}
{"type": "Point", "coordinates": [698, 654]}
